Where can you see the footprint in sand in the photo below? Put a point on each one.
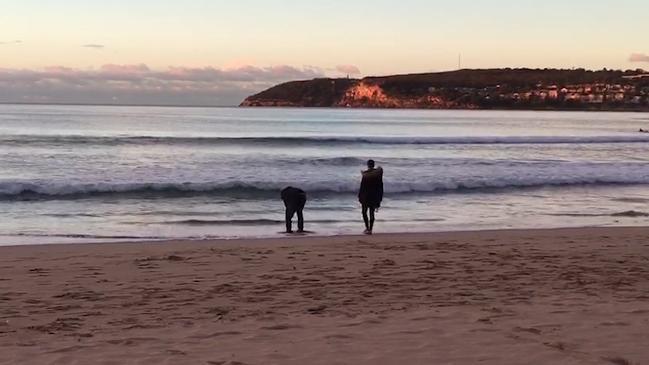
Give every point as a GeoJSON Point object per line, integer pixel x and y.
{"type": "Point", "coordinates": [281, 327]}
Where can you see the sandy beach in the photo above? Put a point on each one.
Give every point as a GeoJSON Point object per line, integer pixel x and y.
{"type": "Point", "coordinates": [564, 296]}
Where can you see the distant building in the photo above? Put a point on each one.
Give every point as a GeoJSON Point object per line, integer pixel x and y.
{"type": "Point", "coordinates": [553, 92]}
{"type": "Point", "coordinates": [572, 96]}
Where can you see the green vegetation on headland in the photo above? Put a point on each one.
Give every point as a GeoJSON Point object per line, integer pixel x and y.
{"type": "Point", "coordinates": [522, 88]}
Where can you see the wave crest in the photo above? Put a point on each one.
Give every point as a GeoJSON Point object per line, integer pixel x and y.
{"type": "Point", "coordinates": [311, 140]}
{"type": "Point", "coordinates": [261, 190]}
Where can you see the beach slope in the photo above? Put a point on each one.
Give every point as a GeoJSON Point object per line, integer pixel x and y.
{"type": "Point", "coordinates": [564, 296]}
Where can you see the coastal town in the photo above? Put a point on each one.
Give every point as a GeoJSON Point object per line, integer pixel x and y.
{"type": "Point", "coordinates": [632, 93]}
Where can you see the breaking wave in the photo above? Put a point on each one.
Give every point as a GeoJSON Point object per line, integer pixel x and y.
{"type": "Point", "coordinates": [295, 141]}
{"type": "Point", "coordinates": [261, 190]}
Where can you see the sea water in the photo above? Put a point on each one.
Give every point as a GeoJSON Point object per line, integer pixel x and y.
{"type": "Point", "coordinates": [93, 173]}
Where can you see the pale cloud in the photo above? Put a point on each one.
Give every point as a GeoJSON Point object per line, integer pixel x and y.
{"type": "Point", "coordinates": [93, 46]}
{"type": "Point", "coordinates": [639, 57]}
{"type": "Point", "coordinates": [139, 84]}
{"type": "Point", "coordinates": [10, 42]}
{"type": "Point", "coordinates": [348, 69]}
{"type": "Point", "coordinates": [240, 74]}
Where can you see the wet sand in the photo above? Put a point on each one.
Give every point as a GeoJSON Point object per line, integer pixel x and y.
{"type": "Point", "coordinates": [566, 296]}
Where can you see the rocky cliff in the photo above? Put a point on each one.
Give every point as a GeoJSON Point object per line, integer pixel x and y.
{"type": "Point", "coordinates": [312, 93]}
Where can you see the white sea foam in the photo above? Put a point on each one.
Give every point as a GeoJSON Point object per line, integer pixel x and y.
{"type": "Point", "coordinates": [571, 176]}
{"type": "Point", "coordinates": [60, 140]}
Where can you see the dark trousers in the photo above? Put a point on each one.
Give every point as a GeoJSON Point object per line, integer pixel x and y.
{"type": "Point", "coordinates": [369, 221]}
{"type": "Point", "coordinates": [291, 209]}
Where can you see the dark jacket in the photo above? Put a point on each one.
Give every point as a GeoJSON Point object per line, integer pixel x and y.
{"type": "Point", "coordinates": [293, 197]}
{"type": "Point", "coordinates": [371, 191]}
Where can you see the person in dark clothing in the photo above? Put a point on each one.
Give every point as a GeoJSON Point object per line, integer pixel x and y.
{"type": "Point", "coordinates": [294, 201]}
{"type": "Point", "coordinates": [370, 194]}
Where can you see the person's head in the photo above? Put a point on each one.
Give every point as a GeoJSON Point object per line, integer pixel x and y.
{"type": "Point", "coordinates": [370, 164]}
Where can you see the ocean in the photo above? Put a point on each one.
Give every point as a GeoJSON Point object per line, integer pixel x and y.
{"type": "Point", "coordinates": [107, 173]}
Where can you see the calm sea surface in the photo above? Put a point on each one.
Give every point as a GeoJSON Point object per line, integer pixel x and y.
{"type": "Point", "coordinates": [84, 173]}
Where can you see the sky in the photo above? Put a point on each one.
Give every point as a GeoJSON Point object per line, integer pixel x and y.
{"type": "Point", "coordinates": [216, 52]}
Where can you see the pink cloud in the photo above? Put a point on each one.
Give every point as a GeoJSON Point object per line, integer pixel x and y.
{"type": "Point", "coordinates": [639, 57]}
{"type": "Point", "coordinates": [59, 69]}
{"type": "Point", "coordinates": [112, 68]}
{"type": "Point", "coordinates": [137, 83]}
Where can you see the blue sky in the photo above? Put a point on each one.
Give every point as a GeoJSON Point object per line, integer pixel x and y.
{"type": "Point", "coordinates": [376, 37]}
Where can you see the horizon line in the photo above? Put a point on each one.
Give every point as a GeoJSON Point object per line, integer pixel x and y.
{"type": "Point", "coordinates": [128, 105]}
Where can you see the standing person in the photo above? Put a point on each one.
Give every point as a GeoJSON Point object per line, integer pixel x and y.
{"type": "Point", "coordinates": [370, 194]}
{"type": "Point", "coordinates": [294, 201]}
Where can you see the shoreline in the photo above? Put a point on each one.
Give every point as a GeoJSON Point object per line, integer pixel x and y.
{"type": "Point", "coordinates": [272, 240]}
{"type": "Point", "coordinates": [239, 106]}
{"type": "Point", "coordinates": [594, 110]}
{"type": "Point", "coordinates": [561, 296]}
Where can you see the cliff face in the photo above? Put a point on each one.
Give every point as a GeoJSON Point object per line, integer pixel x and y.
{"type": "Point", "coordinates": [469, 89]}
{"type": "Point", "coordinates": [313, 93]}
{"type": "Point", "coordinates": [343, 93]}
{"type": "Point", "coordinates": [370, 95]}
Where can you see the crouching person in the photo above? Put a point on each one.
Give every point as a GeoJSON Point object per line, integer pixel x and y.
{"type": "Point", "coordinates": [294, 201]}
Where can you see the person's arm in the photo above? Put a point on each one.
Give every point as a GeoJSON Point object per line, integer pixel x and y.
{"type": "Point", "coordinates": [380, 183]}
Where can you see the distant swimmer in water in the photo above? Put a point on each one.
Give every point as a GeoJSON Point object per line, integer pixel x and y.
{"type": "Point", "coordinates": [370, 194]}
{"type": "Point", "coordinates": [294, 201]}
